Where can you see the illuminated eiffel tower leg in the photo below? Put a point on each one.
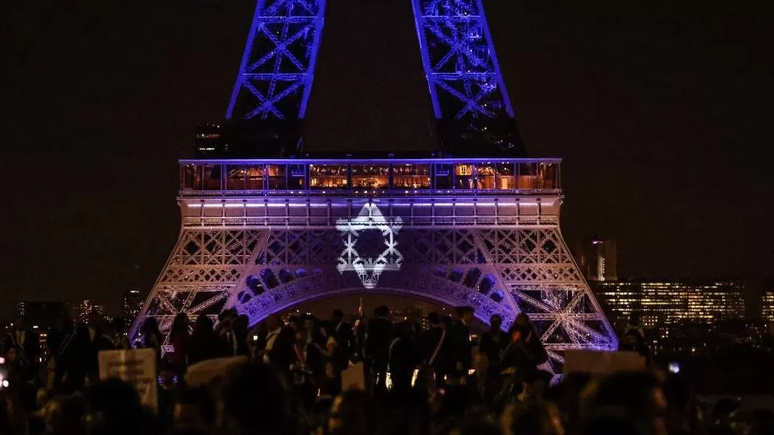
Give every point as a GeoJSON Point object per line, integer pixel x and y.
{"type": "Point", "coordinates": [277, 70]}
{"type": "Point", "coordinates": [459, 58]}
{"type": "Point", "coordinates": [199, 276]}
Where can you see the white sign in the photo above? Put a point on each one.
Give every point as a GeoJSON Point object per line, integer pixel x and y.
{"type": "Point", "coordinates": [135, 366]}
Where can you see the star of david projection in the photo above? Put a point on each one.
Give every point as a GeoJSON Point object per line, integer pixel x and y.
{"type": "Point", "coordinates": [370, 247]}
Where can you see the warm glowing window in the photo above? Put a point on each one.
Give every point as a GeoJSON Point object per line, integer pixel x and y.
{"type": "Point", "coordinates": [465, 176]}
{"type": "Point", "coordinates": [370, 176]}
{"type": "Point", "coordinates": [549, 174]}
{"type": "Point", "coordinates": [323, 177]}
{"type": "Point", "coordinates": [277, 176]}
{"type": "Point", "coordinates": [254, 177]}
{"type": "Point", "coordinates": [235, 177]}
{"type": "Point", "coordinates": [528, 176]}
{"type": "Point", "coordinates": [495, 176]}
{"type": "Point", "coordinates": [408, 176]}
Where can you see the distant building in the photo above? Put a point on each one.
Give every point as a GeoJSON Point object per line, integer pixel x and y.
{"type": "Point", "coordinates": [597, 259]}
{"type": "Point", "coordinates": [704, 338]}
{"type": "Point", "coordinates": [668, 302]}
{"type": "Point", "coordinates": [43, 344]}
{"type": "Point", "coordinates": [83, 310]}
{"type": "Point", "coordinates": [131, 305]}
{"type": "Point", "coordinates": [767, 302]}
{"type": "Point", "coordinates": [43, 315]}
{"type": "Point", "coordinates": [208, 141]}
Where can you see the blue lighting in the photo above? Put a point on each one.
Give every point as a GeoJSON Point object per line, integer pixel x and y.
{"type": "Point", "coordinates": [462, 70]}
{"type": "Point", "coordinates": [277, 70]}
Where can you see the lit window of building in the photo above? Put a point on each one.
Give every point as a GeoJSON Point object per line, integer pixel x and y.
{"type": "Point", "coordinates": [768, 305]}
{"type": "Point", "coordinates": [131, 305]}
{"type": "Point", "coordinates": [673, 302]}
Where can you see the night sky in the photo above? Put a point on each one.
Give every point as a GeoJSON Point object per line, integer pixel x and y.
{"type": "Point", "coordinates": [662, 110]}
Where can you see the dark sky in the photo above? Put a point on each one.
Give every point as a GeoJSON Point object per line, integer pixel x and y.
{"type": "Point", "coordinates": [662, 110]}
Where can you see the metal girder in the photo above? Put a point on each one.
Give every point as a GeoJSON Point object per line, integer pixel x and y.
{"type": "Point", "coordinates": [505, 271]}
{"type": "Point", "coordinates": [459, 59]}
{"type": "Point", "coordinates": [277, 70]}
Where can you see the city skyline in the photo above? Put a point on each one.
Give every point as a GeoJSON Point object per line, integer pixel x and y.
{"type": "Point", "coordinates": [757, 300]}
{"type": "Point", "coordinates": [661, 135]}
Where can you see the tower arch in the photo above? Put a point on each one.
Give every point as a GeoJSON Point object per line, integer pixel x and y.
{"type": "Point", "coordinates": [500, 255]}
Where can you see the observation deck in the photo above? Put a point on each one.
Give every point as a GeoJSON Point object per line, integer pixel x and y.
{"type": "Point", "coordinates": [319, 192]}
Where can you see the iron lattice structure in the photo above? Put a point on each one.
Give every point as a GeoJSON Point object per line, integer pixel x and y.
{"type": "Point", "coordinates": [277, 70]}
{"type": "Point", "coordinates": [246, 243]}
{"type": "Point", "coordinates": [265, 235]}
{"type": "Point", "coordinates": [459, 59]}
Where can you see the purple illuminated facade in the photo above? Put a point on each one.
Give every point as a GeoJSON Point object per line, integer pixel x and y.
{"type": "Point", "coordinates": [264, 235]}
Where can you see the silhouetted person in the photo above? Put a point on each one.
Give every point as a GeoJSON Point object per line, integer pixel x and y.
{"type": "Point", "coordinates": [253, 402]}
{"type": "Point", "coordinates": [359, 336]}
{"type": "Point", "coordinates": [225, 330]}
{"type": "Point", "coordinates": [352, 413]}
{"type": "Point", "coordinates": [19, 381]}
{"type": "Point", "coordinates": [636, 397]}
{"type": "Point", "coordinates": [167, 388]}
{"type": "Point", "coordinates": [634, 338]}
{"type": "Point", "coordinates": [276, 349]}
{"type": "Point", "coordinates": [461, 344]}
{"type": "Point", "coordinates": [402, 357]}
{"type": "Point", "coordinates": [117, 410]}
{"type": "Point", "coordinates": [180, 339]}
{"type": "Point", "coordinates": [378, 344]}
{"type": "Point", "coordinates": [27, 346]}
{"type": "Point", "coordinates": [341, 331]}
{"type": "Point", "coordinates": [151, 338]}
{"type": "Point", "coordinates": [306, 369]}
{"type": "Point", "coordinates": [241, 324]}
{"type": "Point", "coordinates": [62, 347]}
{"type": "Point", "coordinates": [435, 348]}
{"type": "Point", "coordinates": [523, 355]}
{"type": "Point", "coordinates": [194, 411]}
{"type": "Point", "coordinates": [493, 344]}
{"type": "Point", "coordinates": [120, 340]}
{"type": "Point", "coordinates": [90, 342]}
{"type": "Point", "coordinates": [534, 418]}
{"type": "Point", "coordinates": [314, 332]}
{"type": "Point", "coordinates": [205, 344]}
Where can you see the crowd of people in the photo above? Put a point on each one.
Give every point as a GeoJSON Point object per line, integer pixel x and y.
{"type": "Point", "coordinates": [285, 378]}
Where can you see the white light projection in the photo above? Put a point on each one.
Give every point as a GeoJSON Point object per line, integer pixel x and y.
{"type": "Point", "coordinates": [357, 245]}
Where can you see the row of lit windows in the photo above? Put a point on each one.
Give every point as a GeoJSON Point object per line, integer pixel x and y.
{"type": "Point", "coordinates": [378, 176]}
{"type": "Point", "coordinates": [768, 305]}
{"type": "Point", "coordinates": [671, 302]}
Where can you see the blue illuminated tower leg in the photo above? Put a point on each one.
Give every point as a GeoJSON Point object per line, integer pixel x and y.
{"type": "Point", "coordinates": [473, 112]}
{"type": "Point", "coordinates": [277, 70]}
{"type": "Point", "coordinates": [459, 59]}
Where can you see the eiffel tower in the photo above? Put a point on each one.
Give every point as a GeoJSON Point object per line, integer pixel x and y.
{"type": "Point", "coordinates": [475, 223]}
